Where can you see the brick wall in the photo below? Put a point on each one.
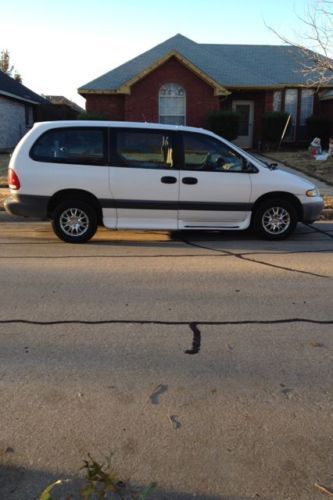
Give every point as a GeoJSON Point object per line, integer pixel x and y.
{"type": "Point", "coordinates": [143, 103]}
{"type": "Point", "coordinates": [12, 123]}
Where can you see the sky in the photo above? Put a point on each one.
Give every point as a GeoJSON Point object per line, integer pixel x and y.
{"type": "Point", "coordinates": [60, 45]}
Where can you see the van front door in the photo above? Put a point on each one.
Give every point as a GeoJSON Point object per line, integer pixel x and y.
{"type": "Point", "coordinates": [215, 190]}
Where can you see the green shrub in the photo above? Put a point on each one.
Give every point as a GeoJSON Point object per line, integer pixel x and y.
{"type": "Point", "coordinates": [224, 123]}
{"type": "Point", "coordinates": [318, 126]}
{"type": "Point", "coordinates": [88, 115]}
{"type": "Point", "coordinates": [273, 125]}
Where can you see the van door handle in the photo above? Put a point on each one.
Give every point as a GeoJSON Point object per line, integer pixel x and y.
{"type": "Point", "coordinates": [168, 179]}
{"type": "Point", "coordinates": [190, 180]}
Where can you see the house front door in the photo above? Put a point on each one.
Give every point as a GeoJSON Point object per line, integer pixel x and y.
{"type": "Point", "coordinates": [246, 111]}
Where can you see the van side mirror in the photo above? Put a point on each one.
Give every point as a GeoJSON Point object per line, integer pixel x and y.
{"type": "Point", "coordinates": [249, 168]}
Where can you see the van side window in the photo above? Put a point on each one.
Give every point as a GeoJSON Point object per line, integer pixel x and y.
{"type": "Point", "coordinates": [142, 149]}
{"type": "Point", "coordinates": [205, 154]}
{"type": "Point", "coordinates": [71, 145]}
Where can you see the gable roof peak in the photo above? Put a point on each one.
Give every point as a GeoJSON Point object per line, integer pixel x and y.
{"type": "Point", "coordinates": [180, 36]}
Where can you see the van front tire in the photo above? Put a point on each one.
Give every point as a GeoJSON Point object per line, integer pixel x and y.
{"type": "Point", "coordinates": [275, 219]}
{"type": "Point", "coordinates": [74, 221]}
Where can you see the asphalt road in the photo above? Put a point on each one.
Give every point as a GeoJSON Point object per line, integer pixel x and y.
{"type": "Point", "coordinates": [203, 362]}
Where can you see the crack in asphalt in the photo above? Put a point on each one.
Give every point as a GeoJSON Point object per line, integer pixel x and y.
{"type": "Point", "coordinates": [157, 256]}
{"type": "Point", "coordinates": [219, 253]}
{"type": "Point", "coordinates": [317, 230]}
{"type": "Point", "coordinates": [241, 256]}
{"type": "Point", "coordinates": [191, 324]}
{"type": "Point", "coordinates": [290, 252]}
{"type": "Point", "coordinates": [196, 343]}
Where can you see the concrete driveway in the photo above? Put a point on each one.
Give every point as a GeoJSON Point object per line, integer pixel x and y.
{"type": "Point", "coordinates": [203, 362]}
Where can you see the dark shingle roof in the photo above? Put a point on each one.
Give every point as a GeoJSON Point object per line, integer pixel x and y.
{"type": "Point", "coordinates": [60, 100]}
{"type": "Point", "coordinates": [228, 65]}
{"type": "Point", "coordinates": [12, 88]}
{"type": "Point", "coordinates": [263, 65]}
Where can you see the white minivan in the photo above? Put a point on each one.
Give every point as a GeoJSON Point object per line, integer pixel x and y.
{"type": "Point", "coordinates": [82, 174]}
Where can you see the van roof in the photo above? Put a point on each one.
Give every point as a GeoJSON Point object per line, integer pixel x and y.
{"type": "Point", "coordinates": [119, 124]}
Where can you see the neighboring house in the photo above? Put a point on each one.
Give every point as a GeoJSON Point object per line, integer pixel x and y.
{"type": "Point", "coordinates": [58, 107]}
{"type": "Point", "coordinates": [180, 81]}
{"type": "Point", "coordinates": [17, 109]}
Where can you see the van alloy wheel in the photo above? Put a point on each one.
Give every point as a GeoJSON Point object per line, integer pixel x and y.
{"type": "Point", "coordinates": [74, 221]}
{"type": "Point", "coordinates": [275, 219]}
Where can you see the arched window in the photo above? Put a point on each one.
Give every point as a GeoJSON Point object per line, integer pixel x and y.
{"type": "Point", "coordinates": [172, 104]}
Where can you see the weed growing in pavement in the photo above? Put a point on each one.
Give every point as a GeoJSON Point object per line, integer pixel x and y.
{"type": "Point", "coordinates": [100, 480]}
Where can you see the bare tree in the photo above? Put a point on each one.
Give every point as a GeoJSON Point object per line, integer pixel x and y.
{"type": "Point", "coordinates": [17, 77]}
{"type": "Point", "coordinates": [7, 67]}
{"type": "Point", "coordinates": [316, 43]}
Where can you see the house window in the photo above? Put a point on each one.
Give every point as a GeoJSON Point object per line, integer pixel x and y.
{"type": "Point", "coordinates": [306, 105]}
{"type": "Point", "coordinates": [172, 104]}
{"type": "Point", "coordinates": [290, 107]}
{"type": "Point", "coordinates": [277, 100]}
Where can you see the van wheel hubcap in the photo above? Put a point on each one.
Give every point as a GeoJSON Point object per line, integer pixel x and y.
{"type": "Point", "coordinates": [276, 220]}
{"type": "Point", "coordinates": [74, 222]}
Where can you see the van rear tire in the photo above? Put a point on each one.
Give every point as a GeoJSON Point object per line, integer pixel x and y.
{"type": "Point", "coordinates": [74, 221]}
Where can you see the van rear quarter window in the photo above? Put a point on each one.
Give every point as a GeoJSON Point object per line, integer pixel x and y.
{"type": "Point", "coordinates": [71, 145]}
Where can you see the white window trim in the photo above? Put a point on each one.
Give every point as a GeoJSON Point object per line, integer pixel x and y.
{"type": "Point", "coordinates": [180, 97]}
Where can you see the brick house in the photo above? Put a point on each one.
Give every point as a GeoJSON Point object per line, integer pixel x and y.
{"type": "Point", "coordinates": [17, 109]}
{"type": "Point", "coordinates": [180, 81]}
